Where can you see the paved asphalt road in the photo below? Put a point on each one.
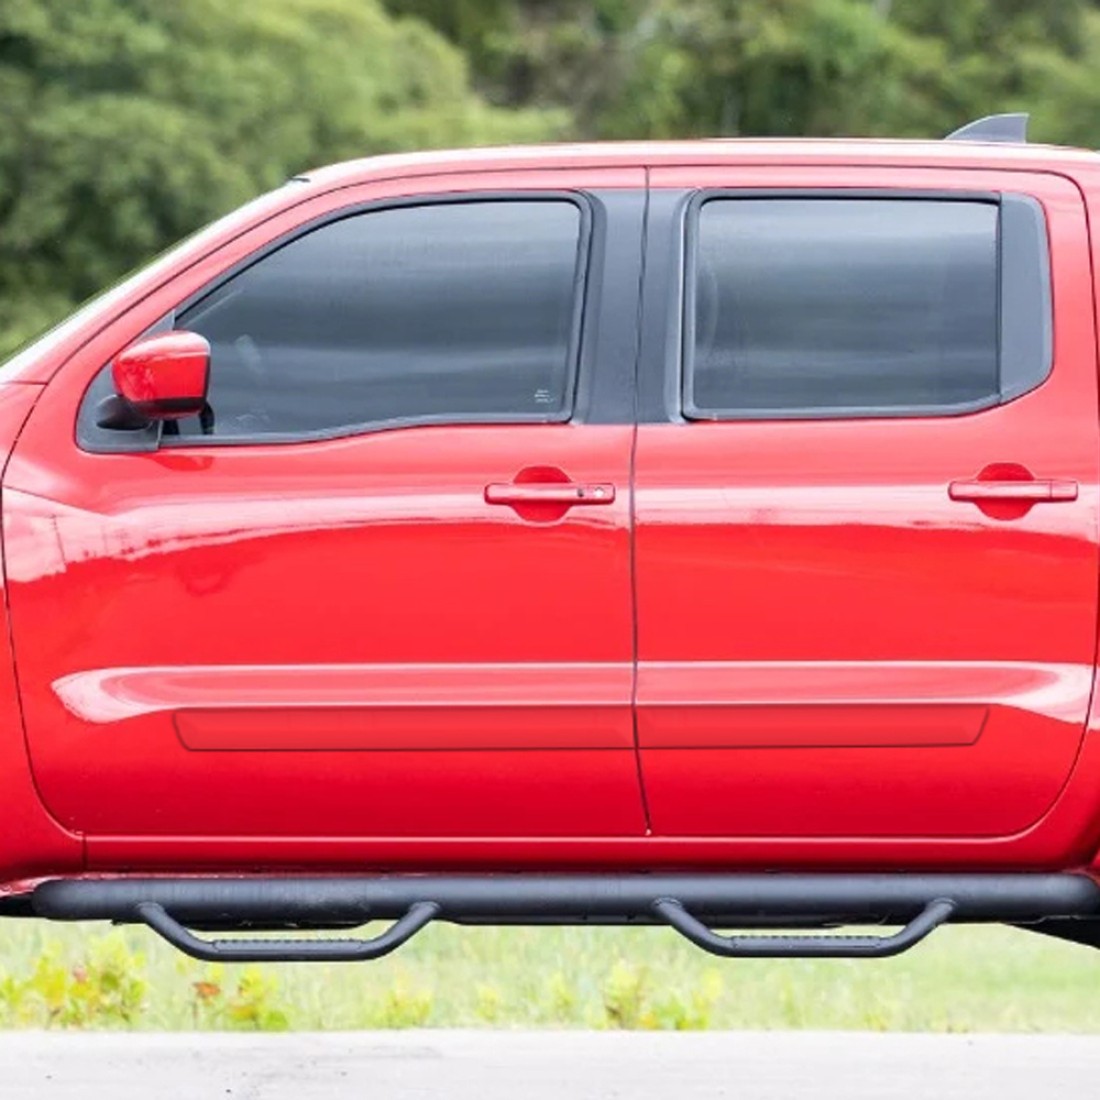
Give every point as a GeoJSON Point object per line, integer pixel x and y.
{"type": "Point", "coordinates": [485, 1065]}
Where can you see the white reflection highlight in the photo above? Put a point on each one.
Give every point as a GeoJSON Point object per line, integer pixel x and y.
{"type": "Point", "coordinates": [1059, 691]}
{"type": "Point", "coordinates": [44, 538]}
{"type": "Point", "coordinates": [114, 694]}
{"type": "Point", "coordinates": [101, 696]}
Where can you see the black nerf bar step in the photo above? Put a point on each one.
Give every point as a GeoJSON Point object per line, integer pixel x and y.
{"type": "Point", "coordinates": [805, 947]}
{"type": "Point", "coordinates": [693, 904]}
{"type": "Point", "coordinates": [301, 950]}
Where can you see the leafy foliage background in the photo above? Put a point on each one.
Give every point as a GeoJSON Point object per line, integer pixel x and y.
{"type": "Point", "coordinates": [125, 124]}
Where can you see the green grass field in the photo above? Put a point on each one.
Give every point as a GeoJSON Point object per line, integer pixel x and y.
{"type": "Point", "coordinates": [960, 980]}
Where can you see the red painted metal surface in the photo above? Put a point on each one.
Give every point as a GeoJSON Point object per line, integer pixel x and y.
{"type": "Point", "coordinates": [30, 842]}
{"type": "Point", "coordinates": [806, 566]}
{"type": "Point", "coordinates": [278, 578]}
{"type": "Point", "coordinates": [293, 579]}
{"type": "Point", "coordinates": [1066, 838]}
{"type": "Point", "coordinates": [437, 707]}
{"type": "Point", "coordinates": [839, 665]}
{"type": "Point", "coordinates": [164, 376]}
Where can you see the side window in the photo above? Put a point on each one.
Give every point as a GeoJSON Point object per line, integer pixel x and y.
{"type": "Point", "coordinates": [451, 311]}
{"type": "Point", "coordinates": [835, 306]}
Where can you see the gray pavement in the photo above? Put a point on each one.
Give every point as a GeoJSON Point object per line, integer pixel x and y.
{"type": "Point", "coordinates": [486, 1065]}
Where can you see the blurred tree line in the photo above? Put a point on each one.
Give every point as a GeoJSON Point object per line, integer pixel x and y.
{"type": "Point", "coordinates": [125, 124]}
{"type": "Point", "coordinates": [662, 68]}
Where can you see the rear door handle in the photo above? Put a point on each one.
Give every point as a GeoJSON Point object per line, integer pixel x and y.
{"type": "Point", "coordinates": [1031, 492]}
{"type": "Point", "coordinates": [565, 493]}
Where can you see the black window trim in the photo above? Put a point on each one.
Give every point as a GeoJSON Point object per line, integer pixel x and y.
{"type": "Point", "coordinates": [96, 440]}
{"type": "Point", "coordinates": [685, 306]}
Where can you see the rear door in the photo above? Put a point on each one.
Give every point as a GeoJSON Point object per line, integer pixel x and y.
{"type": "Point", "coordinates": [382, 588]}
{"type": "Point", "coordinates": [866, 501]}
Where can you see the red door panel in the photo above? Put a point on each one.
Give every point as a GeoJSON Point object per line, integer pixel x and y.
{"type": "Point", "coordinates": [326, 639]}
{"type": "Point", "coordinates": [834, 641]}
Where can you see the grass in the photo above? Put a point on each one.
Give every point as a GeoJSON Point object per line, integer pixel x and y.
{"type": "Point", "coordinates": [960, 980]}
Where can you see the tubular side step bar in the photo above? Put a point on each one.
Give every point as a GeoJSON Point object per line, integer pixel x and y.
{"type": "Point", "coordinates": [692, 904]}
{"type": "Point", "coordinates": [328, 950]}
{"type": "Point", "coordinates": [816, 947]}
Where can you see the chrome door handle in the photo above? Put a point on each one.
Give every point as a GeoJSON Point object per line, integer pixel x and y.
{"type": "Point", "coordinates": [549, 492]}
{"type": "Point", "coordinates": [1032, 492]}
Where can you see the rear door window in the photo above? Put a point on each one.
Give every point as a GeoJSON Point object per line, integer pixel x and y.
{"type": "Point", "coordinates": [827, 306]}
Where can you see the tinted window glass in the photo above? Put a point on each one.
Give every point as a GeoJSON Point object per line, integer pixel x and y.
{"type": "Point", "coordinates": [454, 311]}
{"type": "Point", "coordinates": [804, 305]}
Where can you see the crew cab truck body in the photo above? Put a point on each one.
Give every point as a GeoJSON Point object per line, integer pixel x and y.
{"type": "Point", "coordinates": [698, 533]}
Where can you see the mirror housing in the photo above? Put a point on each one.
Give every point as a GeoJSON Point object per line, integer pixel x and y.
{"type": "Point", "coordinates": [164, 377]}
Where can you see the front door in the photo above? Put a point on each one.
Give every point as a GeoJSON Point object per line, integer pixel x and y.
{"type": "Point", "coordinates": [381, 588]}
{"type": "Point", "coordinates": [866, 503]}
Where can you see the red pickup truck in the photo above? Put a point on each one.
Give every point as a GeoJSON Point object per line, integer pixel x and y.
{"type": "Point", "coordinates": [694, 533]}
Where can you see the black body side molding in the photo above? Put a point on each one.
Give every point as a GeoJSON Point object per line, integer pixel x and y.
{"type": "Point", "coordinates": [693, 904]}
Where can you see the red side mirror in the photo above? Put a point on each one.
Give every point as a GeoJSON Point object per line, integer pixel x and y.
{"type": "Point", "coordinates": [164, 377]}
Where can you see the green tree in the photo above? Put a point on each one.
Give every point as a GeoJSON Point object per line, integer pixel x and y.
{"type": "Point", "coordinates": [655, 68]}
{"type": "Point", "coordinates": [569, 54]}
{"type": "Point", "coordinates": [834, 67]}
{"type": "Point", "coordinates": [128, 123]}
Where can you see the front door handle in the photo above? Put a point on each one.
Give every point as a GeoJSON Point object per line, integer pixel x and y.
{"type": "Point", "coordinates": [565, 493]}
{"type": "Point", "coordinates": [1030, 492]}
